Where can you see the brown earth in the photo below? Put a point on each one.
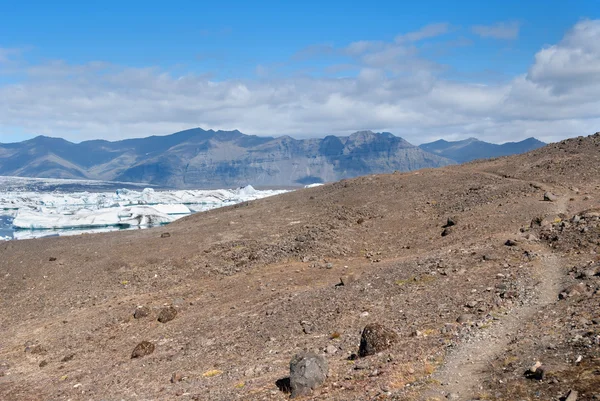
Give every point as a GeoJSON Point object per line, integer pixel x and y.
{"type": "Point", "coordinates": [255, 283]}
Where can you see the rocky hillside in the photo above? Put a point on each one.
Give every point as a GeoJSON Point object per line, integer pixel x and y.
{"type": "Point", "coordinates": [477, 281]}
{"type": "Point", "coordinates": [472, 149]}
{"type": "Point", "coordinates": [217, 159]}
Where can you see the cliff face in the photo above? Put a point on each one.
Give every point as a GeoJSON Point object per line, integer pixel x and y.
{"type": "Point", "coordinates": [208, 159]}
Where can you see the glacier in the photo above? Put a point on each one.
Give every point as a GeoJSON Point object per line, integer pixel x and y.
{"type": "Point", "coordinates": [36, 213]}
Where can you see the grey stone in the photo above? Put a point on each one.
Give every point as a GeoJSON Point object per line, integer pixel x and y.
{"type": "Point", "coordinates": [550, 197]}
{"type": "Point", "coordinates": [307, 372]}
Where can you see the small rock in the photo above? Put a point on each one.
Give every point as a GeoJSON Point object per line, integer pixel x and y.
{"type": "Point", "coordinates": [453, 396]}
{"type": "Point", "coordinates": [472, 304]}
{"type": "Point", "coordinates": [176, 377]}
{"type": "Point", "coordinates": [68, 358]}
{"type": "Point", "coordinates": [510, 242]}
{"type": "Point", "coordinates": [571, 396]}
{"type": "Point", "coordinates": [52, 259]}
{"type": "Point", "coordinates": [447, 231]}
{"type": "Point", "coordinates": [329, 266]}
{"type": "Point", "coordinates": [142, 349]}
{"type": "Point", "coordinates": [165, 235]}
{"type": "Point", "coordinates": [536, 372]}
{"type": "Point", "coordinates": [331, 349]}
{"type": "Point", "coordinates": [307, 327]}
{"type": "Point", "coordinates": [466, 318]}
{"type": "Point", "coordinates": [307, 372]}
{"type": "Point", "coordinates": [449, 223]}
{"type": "Point", "coordinates": [141, 311]}
{"type": "Point", "coordinates": [167, 314]}
{"type": "Point", "coordinates": [550, 197]}
{"type": "Point", "coordinates": [43, 363]}
{"type": "Point", "coordinates": [376, 338]}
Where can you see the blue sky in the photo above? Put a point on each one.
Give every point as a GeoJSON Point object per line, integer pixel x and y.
{"type": "Point", "coordinates": [422, 70]}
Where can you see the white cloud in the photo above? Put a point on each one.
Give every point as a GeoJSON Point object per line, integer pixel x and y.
{"type": "Point", "coordinates": [573, 64]}
{"type": "Point", "coordinates": [500, 30]}
{"type": "Point", "coordinates": [395, 89]}
{"type": "Point", "coordinates": [428, 31]}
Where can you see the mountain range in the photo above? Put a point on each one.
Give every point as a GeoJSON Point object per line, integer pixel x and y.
{"type": "Point", "coordinates": [198, 158]}
{"type": "Point", "coordinates": [472, 148]}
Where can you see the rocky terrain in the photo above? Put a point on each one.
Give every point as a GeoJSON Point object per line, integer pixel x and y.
{"type": "Point", "coordinates": [479, 281]}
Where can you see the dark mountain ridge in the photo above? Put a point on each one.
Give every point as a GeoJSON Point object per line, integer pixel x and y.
{"type": "Point", "coordinates": [198, 158]}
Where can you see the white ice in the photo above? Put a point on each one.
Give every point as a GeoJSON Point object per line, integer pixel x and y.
{"type": "Point", "coordinates": [34, 210]}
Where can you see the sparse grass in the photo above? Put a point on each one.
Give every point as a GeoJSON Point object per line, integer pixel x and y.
{"type": "Point", "coordinates": [212, 373]}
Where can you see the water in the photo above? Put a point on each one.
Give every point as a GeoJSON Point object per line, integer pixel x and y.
{"type": "Point", "coordinates": [6, 230]}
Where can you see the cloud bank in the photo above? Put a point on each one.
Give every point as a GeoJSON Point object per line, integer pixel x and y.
{"type": "Point", "coordinates": [387, 86]}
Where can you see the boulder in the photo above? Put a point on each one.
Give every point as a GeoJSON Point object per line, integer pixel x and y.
{"type": "Point", "coordinates": [307, 372]}
{"type": "Point", "coordinates": [376, 338]}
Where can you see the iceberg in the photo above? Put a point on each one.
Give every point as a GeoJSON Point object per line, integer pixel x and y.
{"type": "Point", "coordinates": [69, 213]}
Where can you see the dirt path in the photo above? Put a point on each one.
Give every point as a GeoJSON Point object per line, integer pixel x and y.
{"type": "Point", "coordinates": [464, 368]}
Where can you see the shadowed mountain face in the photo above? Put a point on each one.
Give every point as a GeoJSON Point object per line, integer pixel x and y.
{"type": "Point", "coordinates": [472, 149]}
{"type": "Point", "coordinates": [199, 158]}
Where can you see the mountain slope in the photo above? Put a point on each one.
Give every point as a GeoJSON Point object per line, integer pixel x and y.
{"type": "Point", "coordinates": [471, 149]}
{"type": "Point", "coordinates": [199, 158]}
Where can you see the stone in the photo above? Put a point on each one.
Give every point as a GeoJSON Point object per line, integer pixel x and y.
{"type": "Point", "coordinates": [465, 318]}
{"type": "Point", "coordinates": [307, 372]}
{"type": "Point", "coordinates": [536, 372]}
{"type": "Point", "coordinates": [550, 197]}
{"type": "Point", "coordinates": [176, 377]}
{"type": "Point", "coordinates": [307, 327]}
{"type": "Point", "coordinates": [571, 396]}
{"type": "Point", "coordinates": [510, 242]}
{"type": "Point", "coordinates": [141, 311]}
{"type": "Point", "coordinates": [52, 259]}
{"type": "Point", "coordinates": [447, 231]}
{"type": "Point", "coordinates": [331, 349]}
{"type": "Point", "coordinates": [453, 396]}
{"type": "Point", "coordinates": [165, 235]}
{"type": "Point", "coordinates": [142, 349]}
{"type": "Point", "coordinates": [449, 223]}
{"type": "Point", "coordinates": [167, 314]}
{"type": "Point", "coordinates": [376, 338]}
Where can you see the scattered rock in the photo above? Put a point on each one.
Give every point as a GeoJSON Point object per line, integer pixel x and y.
{"type": "Point", "coordinates": [165, 235]}
{"type": "Point", "coordinates": [142, 349]}
{"type": "Point", "coordinates": [376, 338]}
{"type": "Point", "coordinates": [536, 372]}
{"type": "Point", "coordinates": [176, 377]}
{"type": "Point", "coordinates": [307, 327]}
{"type": "Point", "coordinates": [571, 395]}
{"type": "Point", "coordinates": [307, 372]}
{"type": "Point", "coordinates": [449, 223]}
{"type": "Point", "coordinates": [331, 349]}
{"type": "Point", "coordinates": [141, 311]}
{"type": "Point", "coordinates": [167, 314]}
{"type": "Point", "coordinates": [465, 318]}
{"type": "Point", "coordinates": [550, 197]}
